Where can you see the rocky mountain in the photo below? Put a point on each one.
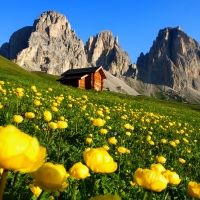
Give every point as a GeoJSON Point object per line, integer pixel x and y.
{"type": "Point", "coordinates": [170, 70]}
{"type": "Point", "coordinates": [49, 45]}
{"type": "Point", "coordinates": [172, 62]}
{"type": "Point", "coordinates": [104, 50]}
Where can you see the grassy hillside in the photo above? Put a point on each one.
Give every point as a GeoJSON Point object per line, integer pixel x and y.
{"type": "Point", "coordinates": [136, 132]}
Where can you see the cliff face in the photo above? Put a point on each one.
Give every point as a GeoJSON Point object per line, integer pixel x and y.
{"type": "Point", "coordinates": [104, 50]}
{"type": "Point", "coordinates": [173, 61]}
{"type": "Point", "coordinates": [50, 45]}
{"type": "Point", "coordinates": [172, 64]}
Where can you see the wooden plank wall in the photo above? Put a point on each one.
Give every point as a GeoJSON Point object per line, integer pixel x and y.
{"type": "Point", "coordinates": [82, 83]}
{"type": "Point", "coordinates": [88, 84]}
{"type": "Point", "coordinates": [97, 81]}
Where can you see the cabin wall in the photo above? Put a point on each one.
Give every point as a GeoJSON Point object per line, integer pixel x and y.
{"type": "Point", "coordinates": [88, 81]}
{"type": "Point", "coordinates": [82, 83]}
{"type": "Point", "coordinates": [98, 81]}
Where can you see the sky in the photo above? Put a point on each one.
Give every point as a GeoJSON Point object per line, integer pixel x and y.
{"type": "Point", "coordinates": [135, 22]}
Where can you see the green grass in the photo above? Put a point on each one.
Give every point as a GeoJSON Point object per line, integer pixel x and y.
{"type": "Point", "coordinates": [150, 117]}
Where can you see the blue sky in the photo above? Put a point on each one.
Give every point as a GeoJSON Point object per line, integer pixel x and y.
{"type": "Point", "coordinates": [135, 22]}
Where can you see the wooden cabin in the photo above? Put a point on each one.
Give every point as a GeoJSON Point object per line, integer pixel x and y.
{"type": "Point", "coordinates": [84, 78]}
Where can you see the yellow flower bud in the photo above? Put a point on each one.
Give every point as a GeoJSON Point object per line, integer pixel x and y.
{"type": "Point", "coordinates": [29, 115]}
{"type": "Point", "coordinates": [172, 177]}
{"type": "Point", "coordinates": [103, 131]}
{"type": "Point", "coordinates": [121, 149]}
{"type": "Point", "coordinates": [112, 140]}
{"type": "Point", "coordinates": [88, 140]}
{"type": "Point", "coordinates": [151, 180]}
{"type": "Point", "coordinates": [157, 167]}
{"type": "Point", "coordinates": [161, 159]}
{"type": "Point", "coordinates": [98, 122]}
{"type": "Point", "coordinates": [26, 155]}
{"type": "Point", "coordinates": [47, 115]}
{"type": "Point", "coordinates": [99, 160]}
{"type": "Point", "coordinates": [194, 189]}
{"type": "Point", "coordinates": [62, 124]}
{"type": "Point", "coordinates": [181, 160]}
{"type": "Point", "coordinates": [35, 190]}
{"type": "Point", "coordinates": [79, 171]}
{"type": "Point", "coordinates": [53, 125]}
{"type": "Point", "coordinates": [18, 119]}
{"type": "Point", "coordinates": [50, 177]}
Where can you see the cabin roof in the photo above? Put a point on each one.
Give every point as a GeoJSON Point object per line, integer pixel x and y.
{"type": "Point", "coordinates": [79, 76]}
{"type": "Point", "coordinates": [87, 70]}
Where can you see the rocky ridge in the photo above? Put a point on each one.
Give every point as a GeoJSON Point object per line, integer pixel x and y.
{"type": "Point", "coordinates": [51, 46]}
{"type": "Point", "coordinates": [170, 69]}
{"type": "Point", "coordinates": [173, 61]}
{"type": "Point", "coordinates": [104, 50]}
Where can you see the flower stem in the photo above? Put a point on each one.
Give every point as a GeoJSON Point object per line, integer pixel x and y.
{"type": "Point", "coordinates": [3, 183]}
{"type": "Point", "coordinates": [92, 185]}
{"type": "Point", "coordinates": [164, 196]}
{"type": "Point", "coordinates": [74, 189]}
{"type": "Point", "coordinates": [145, 195]}
{"type": "Point", "coordinates": [60, 138]}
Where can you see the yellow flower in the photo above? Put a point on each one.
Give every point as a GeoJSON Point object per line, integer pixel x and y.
{"type": "Point", "coordinates": [37, 102]}
{"type": "Point", "coordinates": [106, 197]}
{"type": "Point", "coordinates": [172, 177]}
{"type": "Point", "coordinates": [19, 151]}
{"type": "Point", "coordinates": [79, 171]}
{"type": "Point", "coordinates": [128, 126]}
{"type": "Point", "coordinates": [103, 131]}
{"type": "Point", "coordinates": [18, 119]}
{"type": "Point", "coordinates": [161, 159]}
{"type": "Point", "coordinates": [163, 141]}
{"type": "Point", "coordinates": [121, 149]}
{"type": "Point", "coordinates": [151, 180]}
{"type": "Point", "coordinates": [181, 160]}
{"type": "Point", "coordinates": [157, 167]}
{"type": "Point", "coordinates": [98, 122]}
{"type": "Point", "coordinates": [148, 138]}
{"type": "Point", "coordinates": [88, 140]}
{"type": "Point", "coordinates": [128, 151]}
{"type": "Point", "coordinates": [29, 115]}
{"type": "Point", "coordinates": [151, 142]}
{"type": "Point", "coordinates": [106, 147]}
{"type": "Point", "coordinates": [53, 125]}
{"type": "Point", "coordinates": [62, 118]}
{"type": "Point", "coordinates": [62, 124]}
{"type": "Point", "coordinates": [35, 190]}
{"type": "Point", "coordinates": [172, 143]}
{"type": "Point", "coordinates": [99, 160]}
{"type": "Point", "coordinates": [112, 140]}
{"type": "Point", "coordinates": [19, 92]}
{"type": "Point", "coordinates": [33, 88]}
{"type": "Point", "coordinates": [177, 141]}
{"type": "Point", "coordinates": [47, 115]}
{"type": "Point", "coordinates": [132, 183]}
{"type": "Point", "coordinates": [50, 177]}
{"type": "Point", "coordinates": [55, 109]}
{"type": "Point", "coordinates": [128, 133]}
{"type": "Point", "coordinates": [70, 105]}
{"type": "Point", "coordinates": [194, 189]}
{"type": "Point", "coordinates": [1, 171]}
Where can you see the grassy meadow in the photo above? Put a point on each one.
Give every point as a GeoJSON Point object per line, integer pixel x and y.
{"type": "Point", "coordinates": [143, 129]}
